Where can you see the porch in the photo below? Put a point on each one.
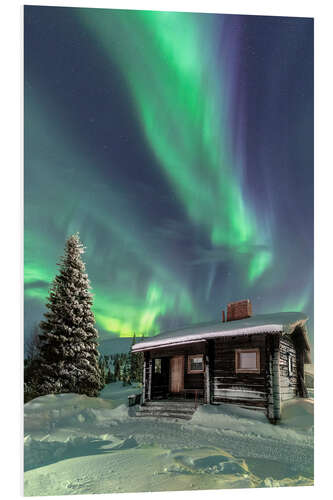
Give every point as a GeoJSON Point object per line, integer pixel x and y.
{"type": "Point", "coordinates": [178, 374]}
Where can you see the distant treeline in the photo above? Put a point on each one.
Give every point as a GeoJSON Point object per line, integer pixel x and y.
{"type": "Point", "coordinates": [124, 367]}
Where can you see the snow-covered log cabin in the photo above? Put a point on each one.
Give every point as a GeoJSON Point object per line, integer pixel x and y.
{"type": "Point", "coordinates": [251, 361]}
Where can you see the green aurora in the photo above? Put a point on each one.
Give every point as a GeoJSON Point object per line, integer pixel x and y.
{"type": "Point", "coordinates": [176, 250]}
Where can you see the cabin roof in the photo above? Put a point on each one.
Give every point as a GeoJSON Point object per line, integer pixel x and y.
{"type": "Point", "coordinates": [283, 323]}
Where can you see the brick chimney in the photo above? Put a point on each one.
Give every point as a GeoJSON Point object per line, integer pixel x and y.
{"type": "Point", "coordinates": [239, 310]}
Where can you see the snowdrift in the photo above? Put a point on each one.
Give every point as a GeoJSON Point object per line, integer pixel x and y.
{"type": "Point", "coordinates": [77, 444]}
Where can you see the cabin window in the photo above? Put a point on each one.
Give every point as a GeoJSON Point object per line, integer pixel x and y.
{"type": "Point", "coordinates": [158, 365]}
{"type": "Point", "coordinates": [247, 360]}
{"type": "Point", "coordinates": [195, 363]}
{"type": "Point", "coordinates": [290, 365]}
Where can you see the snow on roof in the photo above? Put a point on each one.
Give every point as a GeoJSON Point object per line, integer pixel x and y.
{"type": "Point", "coordinates": [284, 323]}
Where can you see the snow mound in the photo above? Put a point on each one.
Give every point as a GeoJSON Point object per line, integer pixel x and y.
{"type": "Point", "coordinates": [102, 415]}
{"type": "Point", "coordinates": [47, 451]}
{"type": "Point", "coordinates": [296, 423]}
{"type": "Point", "coordinates": [75, 444]}
{"type": "Point", "coordinates": [229, 417]}
{"type": "Point", "coordinates": [54, 411]}
{"type": "Point", "coordinates": [298, 413]}
{"type": "Point", "coordinates": [119, 393]}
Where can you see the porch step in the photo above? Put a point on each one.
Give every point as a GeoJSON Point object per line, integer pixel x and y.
{"type": "Point", "coordinates": [157, 409]}
{"type": "Point", "coordinates": [166, 407]}
{"type": "Point", "coordinates": [170, 404]}
{"type": "Point", "coordinates": [164, 415]}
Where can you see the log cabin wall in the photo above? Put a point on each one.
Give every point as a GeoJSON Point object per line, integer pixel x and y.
{"type": "Point", "coordinates": [243, 389]}
{"type": "Point", "coordinates": [161, 382]}
{"type": "Point", "coordinates": [182, 349]}
{"type": "Point", "coordinates": [146, 371]}
{"type": "Point", "coordinates": [273, 377]}
{"type": "Point", "coordinates": [300, 357]}
{"type": "Point", "coordinates": [288, 377]}
{"type": "Point", "coordinates": [193, 380]}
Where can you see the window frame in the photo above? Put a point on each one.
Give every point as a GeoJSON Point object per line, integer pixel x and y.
{"type": "Point", "coordinates": [247, 370]}
{"type": "Point", "coordinates": [190, 357]}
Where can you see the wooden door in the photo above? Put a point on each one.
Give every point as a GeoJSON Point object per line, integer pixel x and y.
{"type": "Point", "coordinates": [177, 373]}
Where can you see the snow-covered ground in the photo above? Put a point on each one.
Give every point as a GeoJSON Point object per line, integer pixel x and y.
{"type": "Point", "coordinates": [75, 445]}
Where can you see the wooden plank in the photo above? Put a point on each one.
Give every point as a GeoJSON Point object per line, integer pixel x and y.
{"type": "Point", "coordinates": [255, 337]}
{"type": "Point", "coordinates": [252, 387]}
{"type": "Point", "coordinates": [276, 382]}
{"type": "Point", "coordinates": [207, 378]}
{"type": "Point", "coordinates": [193, 380]}
{"type": "Point", "coordinates": [288, 391]}
{"type": "Point", "coordinates": [303, 389]}
{"type": "Point", "coordinates": [239, 379]}
{"type": "Point", "coordinates": [242, 402]}
{"type": "Point", "coordinates": [195, 348]}
{"type": "Point", "coordinates": [285, 396]}
{"type": "Point", "coordinates": [286, 342]}
{"type": "Point", "coordinates": [225, 376]}
{"type": "Point", "coordinates": [247, 406]}
{"type": "Point", "coordinates": [149, 378]}
{"type": "Point", "coordinates": [252, 378]}
{"type": "Point", "coordinates": [144, 379]}
{"type": "Point", "coordinates": [239, 394]}
{"type": "Point", "coordinates": [177, 373]}
{"type": "Point", "coordinates": [272, 377]}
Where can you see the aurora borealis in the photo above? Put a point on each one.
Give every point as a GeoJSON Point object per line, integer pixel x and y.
{"type": "Point", "coordinates": [180, 146]}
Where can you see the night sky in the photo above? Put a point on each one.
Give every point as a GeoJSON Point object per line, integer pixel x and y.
{"type": "Point", "coordinates": [180, 146]}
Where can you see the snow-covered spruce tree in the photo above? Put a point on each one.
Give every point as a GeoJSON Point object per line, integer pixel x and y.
{"type": "Point", "coordinates": [136, 359]}
{"type": "Point", "coordinates": [117, 368]}
{"type": "Point", "coordinates": [133, 361]}
{"type": "Point", "coordinates": [126, 376]}
{"type": "Point", "coordinates": [139, 364]}
{"type": "Point", "coordinates": [68, 349]}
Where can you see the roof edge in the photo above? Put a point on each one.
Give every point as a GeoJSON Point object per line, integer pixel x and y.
{"type": "Point", "coordinates": [141, 346]}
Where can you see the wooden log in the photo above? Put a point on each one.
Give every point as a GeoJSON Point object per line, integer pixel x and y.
{"type": "Point", "coordinates": [270, 405]}
{"type": "Point", "coordinates": [253, 378]}
{"type": "Point", "coordinates": [206, 380]}
{"type": "Point", "coordinates": [169, 351]}
{"type": "Point", "coordinates": [287, 396]}
{"type": "Point", "coordinates": [251, 387]}
{"type": "Point", "coordinates": [303, 392]}
{"type": "Point", "coordinates": [286, 379]}
{"type": "Point", "coordinates": [241, 378]}
{"type": "Point", "coordinates": [150, 369]}
{"type": "Point", "coordinates": [239, 394]}
{"type": "Point", "coordinates": [144, 378]}
{"type": "Point", "coordinates": [301, 388]}
{"type": "Point", "coordinates": [276, 382]}
{"type": "Point", "coordinates": [242, 402]}
{"type": "Point", "coordinates": [273, 378]}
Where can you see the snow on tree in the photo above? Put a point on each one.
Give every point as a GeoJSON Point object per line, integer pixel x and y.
{"type": "Point", "coordinates": [133, 361]}
{"type": "Point", "coordinates": [31, 345]}
{"type": "Point", "coordinates": [104, 365]}
{"type": "Point", "coordinates": [31, 365]}
{"type": "Point", "coordinates": [68, 342]}
{"type": "Point", "coordinates": [117, 368]}
{"type": "Point", "coordinates": [136, 363]}
{"type": "Point", "coordinates": [126, 375]}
